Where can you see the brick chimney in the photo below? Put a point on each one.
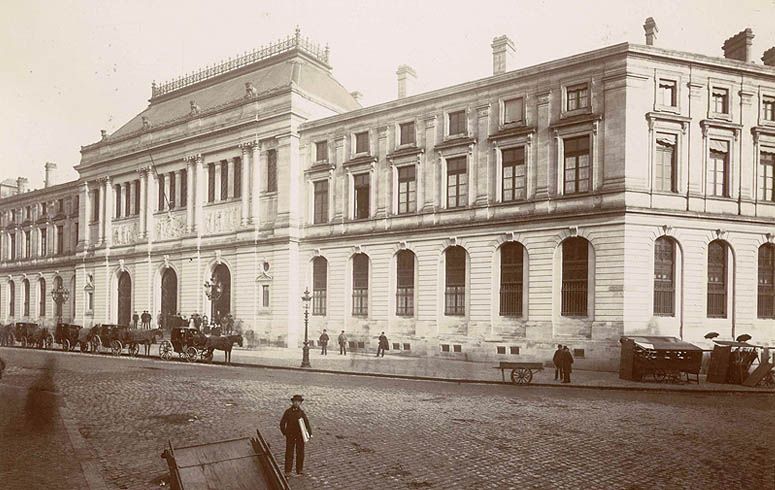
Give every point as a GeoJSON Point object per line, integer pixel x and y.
{"type": "Point", "coordinates": [651, 31]}
{"type": "Point", "coordinates": [357, 96]}
{"type": "Point", "coordinates": [738, 47]}
{"type": "Point", "coordinates": [504, 55]}
{"type": "Point", "coordinates": [21, 185]}
{"type": "Point", "coordinates": [407, 79]}
{"type": "Point", "coordinates": [50, 174]}
{"type": "Point", "coordinates": [768, 58]}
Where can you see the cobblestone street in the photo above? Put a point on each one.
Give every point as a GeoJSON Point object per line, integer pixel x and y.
{"type": "Point", "coordinates": [378, 433]}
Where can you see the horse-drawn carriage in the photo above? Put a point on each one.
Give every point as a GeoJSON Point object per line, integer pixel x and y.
{"type": "Point", "coordinates": [29, 335]}
{"type": "Point", "coordinates": [188, 342]}
{"type": "Point", "coordinates": [66, 335]}
{"type": "Point", "coordinates": [115, 337]}
{"type": "Point", "coordinates": [663, 359]}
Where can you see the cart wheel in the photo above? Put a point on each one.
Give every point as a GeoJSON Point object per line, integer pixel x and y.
{"type": "Point", "coordinates": [116, 347]}
{"type": "Point", "coordinates": [23, 341]}
{"type": "Point", "coordinates": [165, 350]}
{"type": "Point", "coordinates": [96, 343]}
{"type": "Point", "coordinates": [521, 376]}
{"type": "Point", "coordinates": [191, 354]}
{"type": "Point", "coordinates": [660, 375]}
{"type": "Point", "coordinates": [84, 346]}
{"type": "Point", "coordinates": [134, 349]}
{"type": "Point", "coordinates": [65, 345]}
{"type": "Point", "coordinates": [48, 341]}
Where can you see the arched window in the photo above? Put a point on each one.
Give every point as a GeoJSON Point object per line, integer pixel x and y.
{"type": "Point", "coordinates": [319, 285]}
{"type": "Point", "coordinates": [664, 277]}
{"type": "Point", "coordinates": [717, 279]}
{"type": "Point", "coordinates": [360, 285]}
{"type": "Point", "coordinates": [405, 283]}
{"type": "Point", "coordinates": [26, 305]}
{"type": "Point", "coordinates": [455, 290]}
{"type": "Point", "coordinates": [575, 276]}
{"type": "Point", "coordinates": [511, 279]}
{"type": "Point", "coordinates": [42, 297]}
{"type": "Point", "coordinates": [11, 299]}
{"type": "Point", "coordinates": [766, 301]}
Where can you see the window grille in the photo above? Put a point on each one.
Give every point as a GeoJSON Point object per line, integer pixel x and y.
{"type": "Point", "coordinates": [575, 270]}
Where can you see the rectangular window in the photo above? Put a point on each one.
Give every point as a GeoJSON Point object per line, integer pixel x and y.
{"type": "Point", "coordinates": [173, 188]}
{"type": "Point", "coordinates": [768, 108]}
{"type": "Point", "coordinates": [137, 196]}
{"type": "Point", "coordinates": [44, 209]}
{"type": "Point", "coordinates": [408, 135]}
{"type": "Point", "coordinates": [43, 242]}
{"type": "Point", "coordinates": [60, 239]}
{"type": "Point", "coordinates": [28, 213]}
{"type": "Point", "coordinates": [575, 267]}
{"type": "Point", "coordinates": [511, 279]}
{"type": "Point", "coordinates": [13, 246]}
{"type": "Point", "coordinates": [720, 100]}
{"type": "Point", "coordinates": [577, 97]}
{"type": "Point", "coordinates": [75, 235]}
{"type": "Point", "coordinates": [321, 151]}
{"type": "Point", "coordinates": [60, 205]}
{"type": "Point", "coordinates": [718, 169]}
{"type": "Point", "coordinates": [95, 208]}
{"type": "Point", "coordinates": [361, 184]}
{"type": "Point", "coordinates": [321, 202]}
{"type": "Point", "coordinates": [265, 295]}
{"type": "Point", "coordinates": [513, 110]}
{"type": "Point", "coordinates": [766, 288]}
{"type": "Point", "coordinates": [513, 174]}
{"type": "Point", "coordinates": [238, 177]}
{"type": "Point", "coordinates": [27, 245]}
{"type": "Point", "coordinates": [405, 283]}
{"type": "Point", "coordinates": [717, 280]}
{"type": "Point", "coordinates": [224, 180]}
{"type": "Point", "coordinates": [667, 93]}
{"type": "Point", "coordinates": [767, 175]}
{"type": "Point", "coordinates": [184, 187]}
{"type": "Point", "coordinates": [665, 164]}
{"type": "Point", "coordinates": [455, 282]}
{"type": "Point", "coordinates": [514, 350]}
{"type": "Point", "coordinates": [162, 193]}
{"type": "Point", "coordinates": [117, 195]}
{"type": "Point", "coordinates": [457, 123]}
{"type": "Point", "coordinates": [407, 189]}
{"type": "Point", "coordinates": [210, 182]}
{"type": "Point", "coordinates": [577, 165]}
{"type": "Point", "coordinates": [360, 285]}
{"type": "Point", "coordinates": [271, 171]}
{"type": "Point", "coordinates": [664, 277]}
{"type": "Point", "coordinates": [319, 286]}
{"type": "Point", "coordinates": [362, 142]}
{"type": "Point", "coordinates": [457, 183]}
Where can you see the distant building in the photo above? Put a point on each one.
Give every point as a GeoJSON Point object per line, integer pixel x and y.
{"type": "Point", "coordinates": [623, 191]}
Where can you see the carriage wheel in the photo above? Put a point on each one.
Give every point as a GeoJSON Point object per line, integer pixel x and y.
{"type": "Point", "coordinates": [165, 350]}
{"type": "Point", "coordinates": [23, 341]}
{"type": "Point", "coordinates": [134, 349]}
{"type": "Point", "coordinates": [48, 341]}
{"type": "Point", "coordinates": [191, 354]}
{"type": "Point", "coordinates": [66, 345]}
{"type": "Point", "coordinates": [660, 375]}
{"type": "Point", "coordinates": [116, 347]}
{"type": "Point", "coordinates": [96, 343]}
{"type": "Point", "coordinates": [521, 376]}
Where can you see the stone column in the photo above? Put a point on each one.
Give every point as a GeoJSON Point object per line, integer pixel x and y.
{"type": "Point", "coordinates": [108, 219]}
{"type": "Point", "coordinates": [200, 175]}
{"type": "Point", "coordinates": [190, 162]}
{"type": "Point", "coordinates": [217, 182]}
{"type": "Point", "coordinates": [255, 185]}
{"type": "Point", "coordinates": [245, 179]}
{"type": "Point", "coordinates": [143, 211]}
{"type": "Point", "coordinates": [230, 183]}
{"type": "Point", "coordinates": [84, 216]}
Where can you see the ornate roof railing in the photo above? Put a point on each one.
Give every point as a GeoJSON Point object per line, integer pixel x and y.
{"type": "Point", "coordinates": [281, 46]}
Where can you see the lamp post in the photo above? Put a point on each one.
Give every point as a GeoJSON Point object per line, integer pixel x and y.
{"type": "Point", "coordinates": [60, 295]}
{"type": "Point", "coordinates": [305, 358]}
{"type": "Point", "coordinates": [213, 291]}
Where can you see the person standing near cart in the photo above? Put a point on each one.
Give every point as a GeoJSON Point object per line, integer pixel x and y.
{"type": "Point", "coordinates": [557, 361]}
{"type": "Point", "coordinates": [566, 364]}
{"type": "Point", "coordinates": [295, 427]}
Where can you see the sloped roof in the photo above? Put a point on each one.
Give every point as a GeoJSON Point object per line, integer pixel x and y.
{"type": "Point", "coordinates": [309, 77]}
{"type": "Point", "coordinates": [661, 343]}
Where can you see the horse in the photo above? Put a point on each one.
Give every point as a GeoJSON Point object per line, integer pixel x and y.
{"type": "Point", "coordinates": [224, 343]}
{"type": "Point", "coordinates": [146, 338]}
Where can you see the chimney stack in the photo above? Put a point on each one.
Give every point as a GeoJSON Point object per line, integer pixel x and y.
{"type": "Point", "coordinates": [50, 174]}
{"type": "Point", "coordinates": [407, 78]}
{"type": "Point", "coordinates": [768, 58]}
{"type": "Point", "coordinates": [21, 185]}
{"type": "Point", "coordinates": [357, 96]}
{"type": "Point", "coordinates": [503, 55]}
{"type": "Point", "coordinates": [651, 31]}
{"type": "Point", "coordinates": [738, 47]}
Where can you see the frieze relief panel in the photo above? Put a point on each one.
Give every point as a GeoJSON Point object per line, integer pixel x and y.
{"type": "Point", "coordinates": [221, 219]}
{"type": "Point", "coordinates": [125, 233]}
{"type": "Point", "coordinates": [169, 226]}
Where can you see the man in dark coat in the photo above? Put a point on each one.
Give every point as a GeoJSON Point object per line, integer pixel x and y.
{"type": "Point", "coordinates": [383, 345]}
{"type": "Point", "coordinates": [323, 343]}
{"type": "Point", "coordinates": [135, 319]}
{"type": "Point", "coordinates": [342, 344]}
{"type": "Point", "coordinates": [556, 359]}
{"type": "Point", "coordinates": [294, 439]}
{"type": "Point", "coordinates": [566, 362]}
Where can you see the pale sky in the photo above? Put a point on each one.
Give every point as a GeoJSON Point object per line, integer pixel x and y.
{"type": "Point", "coordinates": [71, 68]}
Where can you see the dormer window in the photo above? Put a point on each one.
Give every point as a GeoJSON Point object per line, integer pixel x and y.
{"type": "Point", "coordinates": [577, 97]}
{"type": "Point", "coordinates": [512, 111]}
{"type": "Point", "coordinates": [720, 100]}
{"type": "Point", "coordinates": [408, 136]}
{"type": "Point", "coordinates": [457, 123]}
{"type": "Point", "coordinates": [321, 151]}
{"type": "Point", "coordinates": [362, 142]}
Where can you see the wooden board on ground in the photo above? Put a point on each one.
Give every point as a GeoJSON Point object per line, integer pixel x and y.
{"type": "Point", "coordinates": [758, 374]}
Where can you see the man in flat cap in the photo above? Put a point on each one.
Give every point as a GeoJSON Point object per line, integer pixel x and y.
{"type": "Point", "coordinates": [295, 434]}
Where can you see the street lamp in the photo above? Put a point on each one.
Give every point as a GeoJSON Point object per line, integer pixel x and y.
{"type": "Point", "coordinates": [305, 358]}
{"type": "Point", "coordinates": [213, 291]}
{"type": "Point", "coordinates": [60, 295]}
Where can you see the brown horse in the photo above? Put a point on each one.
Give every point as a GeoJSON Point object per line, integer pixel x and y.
{"type": "Point", "coordinates": [145, 338]}
{"type": "Point", "coordinates": [224, 343]}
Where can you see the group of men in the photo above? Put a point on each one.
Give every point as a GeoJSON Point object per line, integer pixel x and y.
{"type": "Point", "coordinates": [563, 363]}
{"type": "Point", "coordinates": [382, 346]}
{"type": "Point", "coordinates": [144, 318]}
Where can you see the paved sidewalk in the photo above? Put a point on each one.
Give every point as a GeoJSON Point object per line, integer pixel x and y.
{"type": "Point", "coordinates": [399, 365]}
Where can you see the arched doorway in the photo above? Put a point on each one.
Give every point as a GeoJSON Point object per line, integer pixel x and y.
{"type": "Point", "coordinates": [124, 299]}
{"type": "Point", "coordinates": [220, 304]}
{"type": "Point", "coordinates": [169, 295]}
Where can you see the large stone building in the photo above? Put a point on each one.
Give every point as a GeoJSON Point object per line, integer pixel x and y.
{"type": "Point", "coordinates": [626, 190]}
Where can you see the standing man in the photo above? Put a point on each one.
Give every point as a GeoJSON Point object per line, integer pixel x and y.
{"type": "Point", "coordinates": [557, 361]}
{"type": "Point", "coordinates": [342, 344]}
{"type": "Point", "coordinates": [383, 345]}
{"type": "Point", "coordinates": [135, 319]}
{"type": "Point", "coordinates": [323, 343]}
{"type": "Point", "coordinates": [290, 426]}
{"type": "Point", "coordinates": [567, 361]}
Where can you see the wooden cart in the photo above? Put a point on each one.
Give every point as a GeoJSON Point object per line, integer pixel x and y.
{"type": "Point", "coordinates": [521, 372]}
{"type": "Point", "coordinates": [244, 463]}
